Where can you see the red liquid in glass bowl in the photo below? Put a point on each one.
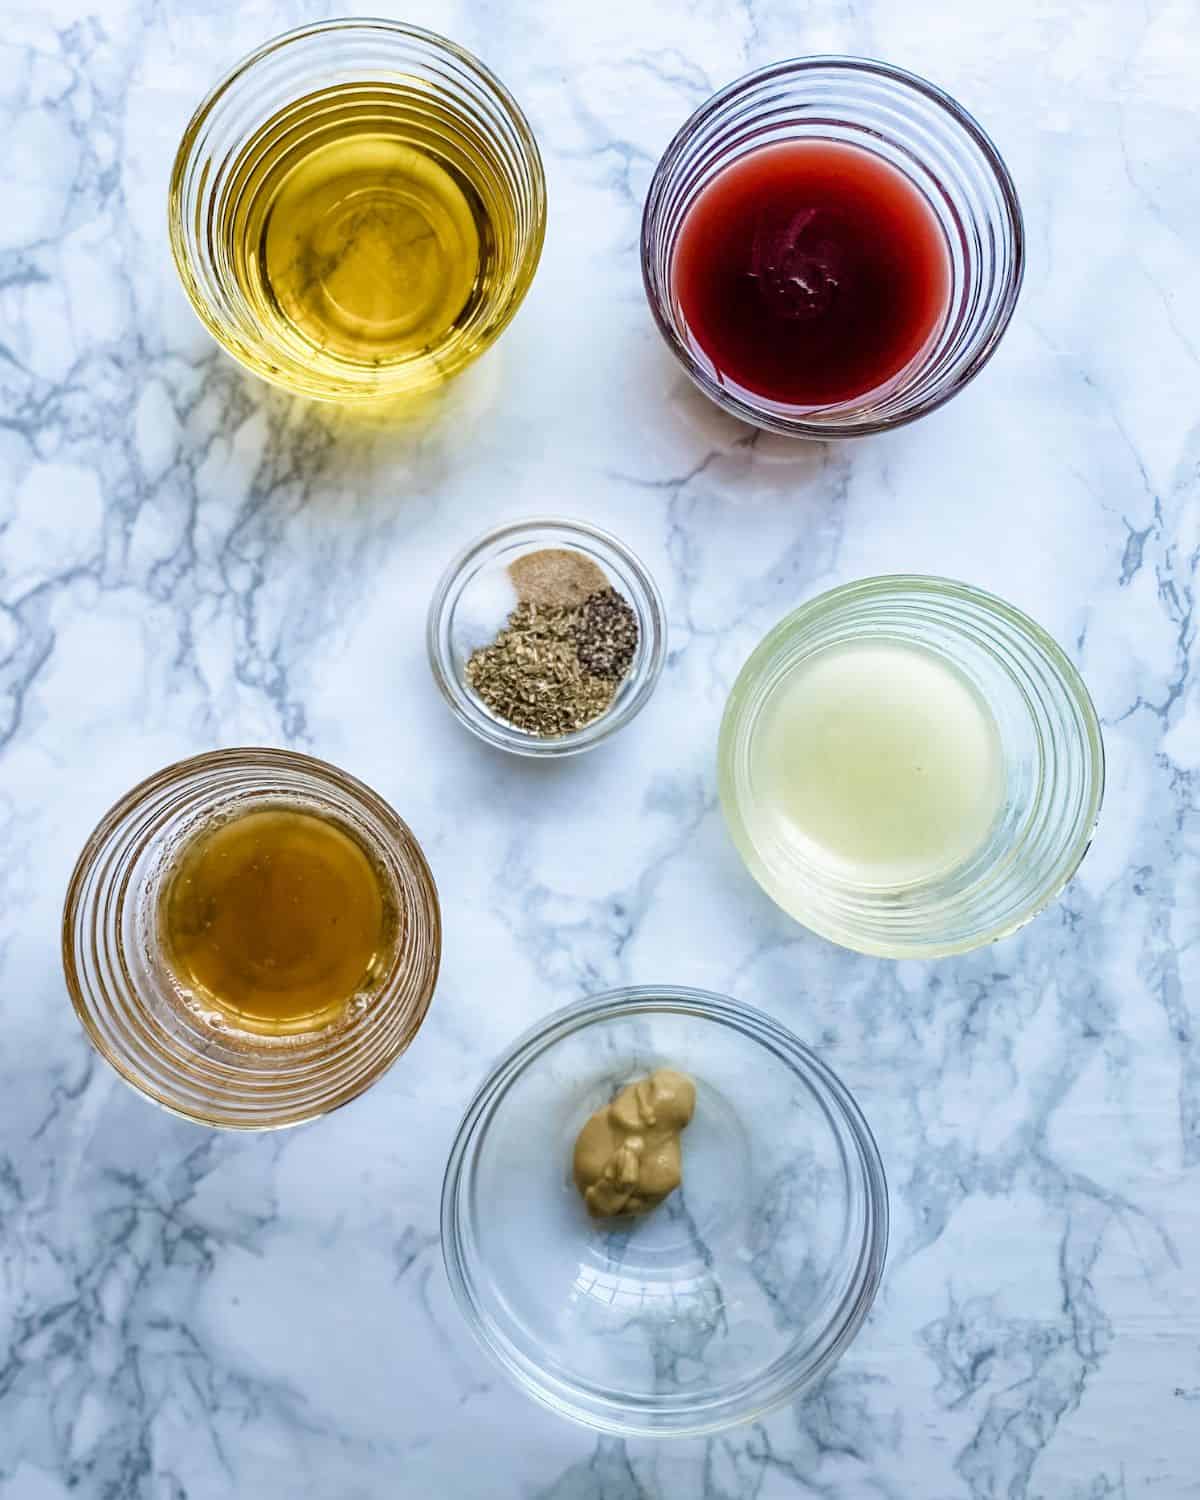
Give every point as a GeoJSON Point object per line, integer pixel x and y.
{"type": "Point", "coordinates": [811, 273]}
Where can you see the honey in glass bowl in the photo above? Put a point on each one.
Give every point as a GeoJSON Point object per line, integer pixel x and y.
{"type": "Point", "coordinates": [277, 921]}
{"type": "Point", "coordinates": [251, 938]}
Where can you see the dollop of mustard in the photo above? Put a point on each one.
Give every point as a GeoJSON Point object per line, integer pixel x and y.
{"type": "Point", "coordinates": [628, 1156]}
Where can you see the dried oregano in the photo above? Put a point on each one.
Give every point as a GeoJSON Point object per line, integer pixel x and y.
{"type": "Point", "coordinates": [531, 674]}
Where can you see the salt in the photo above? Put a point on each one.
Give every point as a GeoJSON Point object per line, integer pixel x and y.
{"type": "Point", "coordinates": [483, 609]}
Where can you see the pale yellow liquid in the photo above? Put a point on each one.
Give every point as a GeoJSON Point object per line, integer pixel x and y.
{"type": "Point", "coordinates": [370, 250]}
{"type": "Point", "coordinates": [358, 234]}
{"type": "Point", "coordinates": [878, 761]}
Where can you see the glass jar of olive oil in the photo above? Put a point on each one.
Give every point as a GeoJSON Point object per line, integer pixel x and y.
{"type": "Point", "coordinates": [357, 210]}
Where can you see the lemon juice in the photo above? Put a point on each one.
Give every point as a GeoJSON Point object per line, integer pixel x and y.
{"type": "Point", "coordinates": [879, 762]}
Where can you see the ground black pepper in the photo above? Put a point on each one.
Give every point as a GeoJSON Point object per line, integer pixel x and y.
{"type": "Point", "coordinates": [606, 635]}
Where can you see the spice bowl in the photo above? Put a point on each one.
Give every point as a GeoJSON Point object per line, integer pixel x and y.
{"type": "Point", "coordinates": [732, 1296]}
{"type": "Point", "coordinates": [593, 638]}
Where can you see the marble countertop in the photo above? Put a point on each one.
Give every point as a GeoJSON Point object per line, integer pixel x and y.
{"type": "Point", "coordinates": [189, 558]}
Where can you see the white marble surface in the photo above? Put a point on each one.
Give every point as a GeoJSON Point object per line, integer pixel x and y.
{"type": "Point", "coordinates": [188, 559]}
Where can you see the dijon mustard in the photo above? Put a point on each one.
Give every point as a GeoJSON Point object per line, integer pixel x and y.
{"type": "Point", "coordinates": [628, 1156]}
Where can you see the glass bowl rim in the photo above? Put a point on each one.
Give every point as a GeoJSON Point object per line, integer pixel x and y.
{"type": "Point", "coordinates": [652, 623]}
{"type": "Point", "coordinates": [177, 771]}
{"type": "Point", "coordinates": [907, 587]}
{"type": "Point", "coordinates": [708, 1006]}
{"type": "Point", "coordinates": [436, 41]}
{"type": "Point", "coordinates": [807, 427]}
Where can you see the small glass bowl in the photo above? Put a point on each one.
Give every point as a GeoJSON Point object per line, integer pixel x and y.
{"type": "Point", "coordinates": [129, 1002]}
{"type": "Point", "coordinates": [468, 120]}
{"type": "Point", "coordinates": [1052, 765]}
{"type": "Point", "coordinates": [465, 601]}
{"type": "Point", "coordinates": [916, 128]}
{"type": "Point", "coordinates": [732, 1296]}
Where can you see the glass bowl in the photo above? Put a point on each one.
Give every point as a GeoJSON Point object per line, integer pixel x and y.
{"type": "Point", "coordinates": [1052, 769]}
{"type": "Point", "coordinates": [449, 105]}
{"type": "Point", "coordinates": [916, 128]}
{"type": "Point", "coordinates": [129, 1001]}
{"type": "Point", "coordinates": [472, 601]}
{"type": "Point", "coordinates": [731, 1297]}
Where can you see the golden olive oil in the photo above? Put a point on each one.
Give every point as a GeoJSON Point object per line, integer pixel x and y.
{"type": "Point", "coordinates": [276, 920]}
{"type": "Point", "coordinates": [364, 230]}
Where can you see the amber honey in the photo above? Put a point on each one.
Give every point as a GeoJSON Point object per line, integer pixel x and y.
{"type": "Point", "coordinates": [277, 920]}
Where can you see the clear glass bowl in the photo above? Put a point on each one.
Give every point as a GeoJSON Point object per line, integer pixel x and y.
{"type": "Point", "coordinates": [129, 1001]}
{"type": "Point", "coordinates": [472, 601]}
{"type": "Point", "coordinates": [1052, 758]}
{"type": "Point", "coordinates": [458, 112]}
{"type": "Point", "coordinates": [916, 128]}
{"type": "Point", "coordinates": [738, 1291]}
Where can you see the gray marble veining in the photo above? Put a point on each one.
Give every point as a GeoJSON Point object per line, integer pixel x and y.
{"type": "Point", "coordinates": [188, 558]}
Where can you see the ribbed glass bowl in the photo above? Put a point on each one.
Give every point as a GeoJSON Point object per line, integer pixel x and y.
{"type": "Point", "coordinates": [916, 128]}
{"type": "Point", "coordinates": [454, 110]}
{"type": "Point", "coordinates": [463, 597]}
{"type": "Point", "coordinates": [129, 1001]}
{"type": "Point", "coordinates": [1052, 765]}
{"type": "Point", "coordinates": [731, 1297]}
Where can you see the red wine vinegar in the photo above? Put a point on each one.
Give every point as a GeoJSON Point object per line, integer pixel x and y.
{"type": "Point", "coordinates": [811, 272]}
